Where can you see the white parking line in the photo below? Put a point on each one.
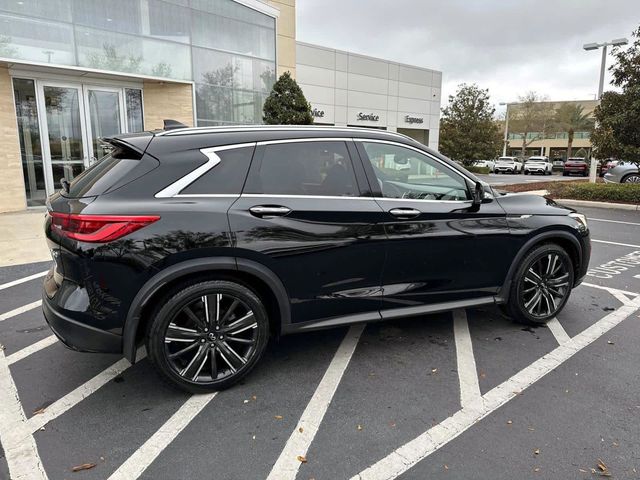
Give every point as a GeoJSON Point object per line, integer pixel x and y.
{"type": "Point", "coordinates": [19, 310]}
{"type": "Point", "coordinates": [408, 455]}
{"type": "Point", "coordinates": [139, 461]}
{"type": "Point", "coordinates": [615, 243]}
{"type": "Point", "coordinates": [558, 331]}
{"type": "Point", "coordinates": [619, 294]}
{"type": "Point", "coordinates": [467, 371]}
{"type": "Point", "coordinates": [22, 280]}
{"type": "Point", "coordinates": [287, 465]}
{"type": "Point", "coordinates": [74, 397]}
{"type": "Point", "coordinates": [20, 449]}
{"type": "Point", "coordinates": [612, 221]}
{"type": "Point", "coordinates": [33, 348]}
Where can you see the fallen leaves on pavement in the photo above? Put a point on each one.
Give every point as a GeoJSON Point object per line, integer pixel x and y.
{"type": "Point", "coordinates": [84, 466]}
{"type": "Point", "coordinates": [302, 459]}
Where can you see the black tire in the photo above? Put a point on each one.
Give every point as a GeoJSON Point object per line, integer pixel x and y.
{"type": "Point", "coordinates": [564, 174]}
{"type": "Point", "coordinates": [198, 324]}
{"type": "Point", "coordinates": [525, 288]}
{"type": "Point", "coordinates": [526, 172]}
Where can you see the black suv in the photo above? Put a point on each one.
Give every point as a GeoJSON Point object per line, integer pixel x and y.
{"type": "Point", "coordinates": [202, 242]}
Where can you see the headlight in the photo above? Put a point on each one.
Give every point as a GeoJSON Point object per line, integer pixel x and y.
{"type": "Point", "coordinates": [580, 218]}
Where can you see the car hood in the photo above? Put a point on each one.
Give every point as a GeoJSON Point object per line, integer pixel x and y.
{"type": "Point", "coordinates": [530, 204]}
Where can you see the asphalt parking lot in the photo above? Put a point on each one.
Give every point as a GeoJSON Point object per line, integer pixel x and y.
{"type": "Point", "coordinates": [460, 395]}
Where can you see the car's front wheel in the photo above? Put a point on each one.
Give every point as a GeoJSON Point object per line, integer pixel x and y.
{"type": "Point", "coordinates": [208, 335]}
{"type": "Point", "coordinates": [541, 285]}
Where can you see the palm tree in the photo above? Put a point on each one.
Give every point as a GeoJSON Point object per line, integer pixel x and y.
{"type": "Point", "coordinates": [570, 118]}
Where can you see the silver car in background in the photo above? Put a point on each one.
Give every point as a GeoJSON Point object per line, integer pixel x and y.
{"type": "Point", "coordinates": [624, 172]}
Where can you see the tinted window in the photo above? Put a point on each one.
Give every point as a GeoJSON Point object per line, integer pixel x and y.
{"type": "Point", "coordinates": [103, 174]}
{"type": "Point", "coordinates": [305, 168]}
{"type": "Point", "coordinates": [227, 177]}
{"type": "Point", "coordinates": [406, 173]}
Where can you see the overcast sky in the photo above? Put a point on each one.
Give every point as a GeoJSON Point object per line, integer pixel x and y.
{"type": "Point", "coordinates": [508, 46]}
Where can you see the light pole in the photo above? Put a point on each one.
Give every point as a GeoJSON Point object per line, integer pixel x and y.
{"type": "Point", "coordinates": [603, 65]}
{"type": "Point", "coordinates": [506, 130]}
{"type": "Point", "coordinates": [595, 46]}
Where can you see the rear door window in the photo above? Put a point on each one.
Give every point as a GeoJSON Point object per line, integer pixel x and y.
{"type": "Point", "coordinates": [310, 168]}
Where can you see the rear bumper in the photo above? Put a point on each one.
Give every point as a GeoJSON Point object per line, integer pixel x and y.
{"type": "Point", "coordinates": [76, 335]}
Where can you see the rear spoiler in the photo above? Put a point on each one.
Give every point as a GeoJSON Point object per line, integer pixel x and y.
{"type": "Point", "coordinates": [169, 124]}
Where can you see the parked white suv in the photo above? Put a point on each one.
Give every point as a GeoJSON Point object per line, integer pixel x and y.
{"type": "Point", "coordinates": [508, 165]}
{"type": "Point", "coordinates": [540, 165]}
{"type": "Point", "coordinates": [491, 164]}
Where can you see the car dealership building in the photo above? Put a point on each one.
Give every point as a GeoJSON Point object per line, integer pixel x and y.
{"type": "Point", "coordinates": [74, 71]}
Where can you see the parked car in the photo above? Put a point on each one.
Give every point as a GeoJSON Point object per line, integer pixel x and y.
{"type": "Point", "coordinates": [508, 165]}
{"type": "Point", "coordinates": [623, 172]}
{"type": "Point", "coordinates": [576, 165]}
{"type": "Point", "coordinates": [607, 165]}
{"type": "Point", "coordinates": [540, 165]}
{"type": "Point", "coordinates": [201, 243]}
{"type": "Point", "coordinates": [490, 164]}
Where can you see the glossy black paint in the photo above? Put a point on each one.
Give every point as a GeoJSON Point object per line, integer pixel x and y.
{"type": "Point", "coordinates": [329, 261]}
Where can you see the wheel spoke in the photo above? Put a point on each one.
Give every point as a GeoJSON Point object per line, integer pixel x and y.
{"type": "Point", "coordinates": [534, 275]}
{"type": "Point", "coordinates": [560, 281]}
{"type": "Point", "coordinates": [194, 318]}
{"type": "Point", "coordinates": [214, 364]}
{"type": "Point", "coordinates": [243, 323]}
{"type": "Point", "coordinates": [535, 300]}
{"type": "Point", "coordinates": [195, 363]}
{"type": "Point", "coordinates": [180, 334]}
{"type": "Point", "coordinates": [229, 311]}
{"type": "Point", "coordinates": [230, 356]}
{"type": "Point", "coordinates": [551, 264]}
{"type": "Point", "coordinates": [550, 301]}
{"type": "Point", "coordinates": [245, 341]}
{"type": "Point", "coordinates": [184, 350]}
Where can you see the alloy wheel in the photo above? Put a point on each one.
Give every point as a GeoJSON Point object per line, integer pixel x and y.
{"type": "Point", "coordinates": [211, 338]}
{"type": "Point", "coordinates": [545, 285]}
{"type": "Point", "coordinates": [633, 178]}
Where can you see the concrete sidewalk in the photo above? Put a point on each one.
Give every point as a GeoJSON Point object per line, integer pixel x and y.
{"type": "Point", "coordinates": [22, 238]}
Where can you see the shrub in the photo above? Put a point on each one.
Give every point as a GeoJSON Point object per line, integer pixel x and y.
{"type": "Point", "coordinates": [480, 170]}
{"type": "Point", "coordinates": [598, 192]}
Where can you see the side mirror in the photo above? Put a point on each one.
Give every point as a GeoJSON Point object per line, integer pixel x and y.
{"type": "Point", "coordinates": [478, 194]}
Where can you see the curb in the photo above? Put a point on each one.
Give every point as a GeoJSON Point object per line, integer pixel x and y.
{"type": "Point", "coordinates": [589, 203]}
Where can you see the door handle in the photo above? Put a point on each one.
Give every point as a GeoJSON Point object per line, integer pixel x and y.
{"type": "Point", "coordinates": [405, 212]}
{"type": "Point", "coordinates": [269, 211]}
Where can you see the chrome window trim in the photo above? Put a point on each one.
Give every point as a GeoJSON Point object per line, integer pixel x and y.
{"type": "Point", "coordinates": [421, 200]}
{"type": "Point", "coordinates": [317, 197]}
{"type": "Point", "coordinates": [176, 187]}
{"type": "Point", "coordinates": [305, 140]}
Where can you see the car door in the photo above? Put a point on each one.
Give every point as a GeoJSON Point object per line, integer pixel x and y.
{"type": "Point", "coordinates": [307, 214]}
{"type": "Point", "coordinates": [441, 248]}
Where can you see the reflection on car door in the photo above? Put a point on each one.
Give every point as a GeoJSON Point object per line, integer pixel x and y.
{"type": "Point", "coordinates": [303, 213]}
{"type": "Point", "coordinates": [439, 248]}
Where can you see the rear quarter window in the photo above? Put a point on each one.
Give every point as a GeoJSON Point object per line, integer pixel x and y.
{"type": "Point", "coordinates": [227, 177]}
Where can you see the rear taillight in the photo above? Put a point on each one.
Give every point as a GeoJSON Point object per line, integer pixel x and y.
{"type": "Point", "coordinates": [98, 228]}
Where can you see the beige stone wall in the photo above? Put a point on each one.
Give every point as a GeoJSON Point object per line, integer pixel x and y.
{"type": "Point", "coordinates": [12, 194]}
{"type": "Point", "coordinates": [286, 36]}
{"type": "Point", "coordinates": [165, 100]}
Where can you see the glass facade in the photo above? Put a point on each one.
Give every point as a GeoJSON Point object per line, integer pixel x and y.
{"type": "Point", "coordinates": [227, 49]}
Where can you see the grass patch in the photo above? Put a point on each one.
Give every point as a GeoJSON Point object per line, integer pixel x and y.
{"type": "Point", "coordinates": [480, 170]}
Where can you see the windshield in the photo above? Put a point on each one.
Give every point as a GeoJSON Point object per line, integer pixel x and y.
{"type": "Point", "coordinates": [505, 160]}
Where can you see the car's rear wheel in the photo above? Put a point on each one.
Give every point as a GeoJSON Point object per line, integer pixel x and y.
{"type": "Point", "coordinates": [541, 285]}
{"type": "Point", "coordinates": [631, 178]}
{"type": "Point", "coordinates": [208, 335]}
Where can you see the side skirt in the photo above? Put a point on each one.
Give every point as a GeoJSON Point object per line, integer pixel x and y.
{"type": "Point", "coordinates": [386, 315]}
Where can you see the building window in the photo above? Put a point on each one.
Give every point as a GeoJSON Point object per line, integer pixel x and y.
{"type": "Point", "coordinates": [133, 98]}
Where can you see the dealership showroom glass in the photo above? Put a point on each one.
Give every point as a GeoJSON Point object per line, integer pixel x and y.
{"type": "Point", "coordinates": [74, 71]}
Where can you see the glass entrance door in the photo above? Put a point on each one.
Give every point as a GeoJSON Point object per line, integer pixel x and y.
{"type": "Point", "coordinates": [63, 132]}
{"type": "Point", "coordinates": [105, 117]}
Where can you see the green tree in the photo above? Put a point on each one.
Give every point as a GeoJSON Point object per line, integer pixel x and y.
{"type": "Point", "coordinates": [617, 132]}
{"type": "Point", "coordinates": [570, 118]}
{"type": "Point", "coordinates": [531, 119]}
{"type": "Point", "coordinates": [286, 104]}
{"type": "Point", "coordinates": [468, 131]}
